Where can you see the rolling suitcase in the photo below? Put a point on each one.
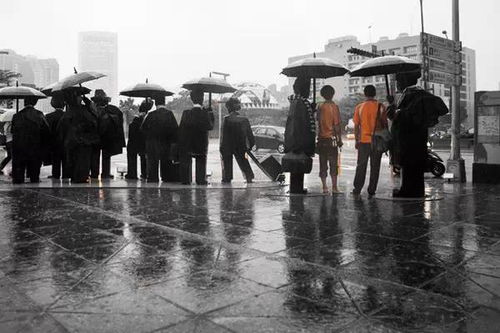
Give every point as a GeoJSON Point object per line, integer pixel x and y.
{"type": "Point", "coordinates": [270, 166]}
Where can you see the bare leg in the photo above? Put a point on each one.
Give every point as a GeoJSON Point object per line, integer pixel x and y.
{"type": "Point", "coordinates": [325, 185]}
{"type": "Point", "coordinates": [334, 184]}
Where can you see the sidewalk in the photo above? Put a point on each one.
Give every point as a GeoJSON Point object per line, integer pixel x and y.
{"type": "Point", "coordinates": [248, 259]}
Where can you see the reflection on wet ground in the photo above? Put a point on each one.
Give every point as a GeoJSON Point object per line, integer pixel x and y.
{"type": "Point", "coordinates": [192, 260]}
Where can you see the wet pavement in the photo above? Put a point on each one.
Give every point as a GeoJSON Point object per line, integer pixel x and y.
{"type": "Point", "coordinates": [248, 259]}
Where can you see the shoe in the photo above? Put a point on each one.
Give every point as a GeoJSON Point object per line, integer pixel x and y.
{"type": "Point", "coordinates": [107, 177]}
{"type": "Point", "coordinates": [371, 195]}
{"type": "Point", "coordinates": [130, 177]}
{"type": "Point", "coordinates": [185, 183]}
{"type": "Point", "coordinates": [202, 183]}
{"type": "Point", "coordinates": [226, 181]}
{"type": "Point", "coordinates": [356, 193]}
{"type": "Point", "coordinates": [249, 181]}
{"type": "Point", "coordinates": [144, 177]}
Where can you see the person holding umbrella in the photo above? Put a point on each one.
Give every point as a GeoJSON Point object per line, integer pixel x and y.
{"type": "Point", "coordinates": [111, 133]}
{"type": "Point", "coordinates": [78, 131]}
{"type": "Point", "coordinates": [136, 144]}
{"type": "Point", "coordinates": [30, 134]}
{"type": "Point", "coordinates": [237, 139]}
{"type": "Point", "coordinates": [300, 135]}
{"type": "Point", "coordinates": [416, 111]}
{"type": "Point", "coordinates": [160, 132]}
{"type": "Point", "coordinates": [193, 139]}
{"type": "Point", "coordinates": [56, 149]}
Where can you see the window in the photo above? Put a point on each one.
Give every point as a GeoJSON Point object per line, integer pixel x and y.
{"type": "Point", "coordinates": [394, 50]}
{"type": "Point", "coordinates": [259, 131]}
{"type": "Point", "coordinates": [410, 49]}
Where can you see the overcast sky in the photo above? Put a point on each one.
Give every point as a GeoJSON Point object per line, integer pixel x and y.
{"type": "Point", "coordinates": [173, 41]}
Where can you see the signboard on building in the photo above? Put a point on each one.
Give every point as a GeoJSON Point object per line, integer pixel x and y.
{"type": "Point", "coordinates": [486, 167]}
{"type": "Point", "coordinates": [442, 60]}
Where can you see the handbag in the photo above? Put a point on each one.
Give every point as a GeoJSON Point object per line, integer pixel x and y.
{"type": "Point", "coordinates": [381, 139]}
{"type": "Point", "coordinates": [296, 163]}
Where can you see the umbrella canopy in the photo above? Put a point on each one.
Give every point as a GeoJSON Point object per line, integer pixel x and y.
{"type": "Point", "coordinates": [48, 89]}
{"type": "Point", "coordinates": [20, 93]}
{"type": "Point", "coordinates": [145, 90]}
{"type": "Point", "coordinates": [209, 85]}
{"type": "Point", "coordinates": [315, 68]}
{"type": "Point", "coordinates": [7, 115]}
{"type": "Point", "coordinates": [386, 65]}
{"type": "Point", "coordinates": [76, 79]}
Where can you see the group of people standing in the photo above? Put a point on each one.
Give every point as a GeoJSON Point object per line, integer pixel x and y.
{"type": "Point", "coordinates": [161, 142]}
{"type": "Point", "coordinates": [80, 133]}
{"type": "Point", "coordinates": [412, 115]}
{"type": "Point", "coordinates": [158, 140]}
{"type": "Point", "coordinates": [72, 138]}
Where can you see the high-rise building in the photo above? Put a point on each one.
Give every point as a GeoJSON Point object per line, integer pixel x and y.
{"type": "Point", "coordinates": [35, 72]}
{"type": "Point", "coordinates": [98, 51]}
{"type": "Point", "coordinates": [405, 45]}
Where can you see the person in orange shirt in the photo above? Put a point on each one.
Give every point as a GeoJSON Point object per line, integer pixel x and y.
{"type": "Point", "coordinates": [329, 138]}
{"type": "Point", "coordinates": [365, 119]}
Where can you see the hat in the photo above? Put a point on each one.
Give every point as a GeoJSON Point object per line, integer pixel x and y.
{"type": "Point", "coordinates": [100, 95]}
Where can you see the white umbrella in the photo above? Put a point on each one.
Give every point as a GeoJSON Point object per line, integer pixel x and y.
{"type": "Point", "coordinates": [7, 115]}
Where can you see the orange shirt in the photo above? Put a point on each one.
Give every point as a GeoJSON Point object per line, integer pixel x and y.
{"type": "Point", "coordinates": [365, 116]}
{"type": "Point", "coordinates": [329, 116]}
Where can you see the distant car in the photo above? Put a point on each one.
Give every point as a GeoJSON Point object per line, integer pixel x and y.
{"type": "Point", "coordinates": [269, 137]}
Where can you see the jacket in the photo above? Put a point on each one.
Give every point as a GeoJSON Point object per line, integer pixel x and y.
{"type": "Point", "coordinates": [30, 134]}
{"type": "Point", "coordinates": [111, 129]}
{"type": "Point", "coordinates": [237, 135]}
{"type": "Point", "coordinates": [159, 129]}
{"type": "Point", "coordinates": [300, 131]}
{"type": "Point", "coordinates": [136, 142]}
{"type": "Point", "coordinates": [193, 131]}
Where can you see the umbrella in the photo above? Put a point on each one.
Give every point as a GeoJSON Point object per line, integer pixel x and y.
{"type": "Point", "coordinates": [386, 65]}
{"type": "Point", "coordinates": [315, 68]}
{"type": "Point", "coordinates": [20, 92]}
{"type": "Point", "coordinates": [76, 79]}
{"type": "Point", "coordinates": [145, 90]}
{"type": "Point", "coordinates": [7, 115]}
{"type": "Point", "coordinates": [48, 89]}
{"type": "Point", "coordinates": [209, 85]}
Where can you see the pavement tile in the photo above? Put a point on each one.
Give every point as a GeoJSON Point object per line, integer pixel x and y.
{"type": "Point", "coordinates": [196, 325]}
{"type": "Point", "coordinates": [209, 290]}
{"type": "Point", "coordinates": [403, 308]}
{"type": "Point", "coordinates": [406, 264]}
{"type": "Point", "coordinates": [284, 311]}
{"type": "Point", "coordinates": [470, 289]}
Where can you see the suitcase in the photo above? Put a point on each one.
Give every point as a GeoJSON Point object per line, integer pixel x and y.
{"type": "Point", "coordinates": [270, 166]}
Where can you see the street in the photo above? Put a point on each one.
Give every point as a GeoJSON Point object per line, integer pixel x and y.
{"type": "Point", "coordinates": [113, 257]}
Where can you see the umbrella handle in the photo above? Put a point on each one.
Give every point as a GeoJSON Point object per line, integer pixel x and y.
{"type": "Point", "coordinates": [387, 85]}
{"type": "Point", "coordinates": [314, 87]}
{"type": "Point", "coordinates": [209, 100]}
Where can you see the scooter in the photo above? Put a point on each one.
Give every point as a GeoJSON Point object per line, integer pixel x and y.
{"type": "Point", "coordinates": [433, 164]}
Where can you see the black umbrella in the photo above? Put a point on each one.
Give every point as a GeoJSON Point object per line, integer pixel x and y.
{"type": "Point", "coordinates": [145, 90]}
{"type": "Point", "coordinates": [314, 68]}
{"type": "Point", "coordinates": [48, 89]}
{"type": "Point", "coordinates": [386, 65]}
{"type": "Point", "coordinates": [76, 79]}
{"type": "Point", "coordinates": [210, 85]}
{"type": "Point", "coordinates": [20, 92]}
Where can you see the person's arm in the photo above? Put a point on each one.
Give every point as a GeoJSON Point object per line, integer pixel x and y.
{"type": "Point", "coordinates": [337, 125]}
{"type": "Point", "coordinates": [250, 136]}
{"type": "Point", "coordinates": [357, 131]}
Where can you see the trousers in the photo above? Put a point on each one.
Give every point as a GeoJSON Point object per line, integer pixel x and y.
{"type": "Point", "coordinates": [365, 153]}
{"type": "Point", "coordinates": [227, 166]}
{"type": "Point", "coordinates": [186, 176]}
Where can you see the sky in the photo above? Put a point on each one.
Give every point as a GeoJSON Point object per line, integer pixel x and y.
{"type": "Point", "coordinates": [170, 42]}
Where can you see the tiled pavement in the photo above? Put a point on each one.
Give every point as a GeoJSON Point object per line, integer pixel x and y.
{"type": "Point", "coordinates": [248, 260]}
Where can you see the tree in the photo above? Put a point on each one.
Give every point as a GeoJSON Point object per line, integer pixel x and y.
{"type": "Point", "coordinates": [129, 110]}
{"type": "Point", "coordinates": [7, 76]}
{"type": "Point", "coordinates": [346, 105]}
